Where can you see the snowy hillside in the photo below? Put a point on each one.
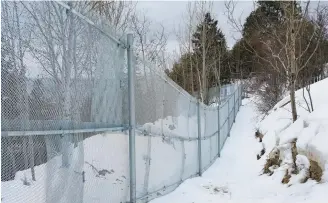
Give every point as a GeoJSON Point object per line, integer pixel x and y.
{"type": "Point", "coordinates": [238, 176]}
{"type": "Point", "coordinates": [309, 131]}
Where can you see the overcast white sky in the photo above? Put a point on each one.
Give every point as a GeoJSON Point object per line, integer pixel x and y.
{"type": "Point", "coordinates": [170, 14]}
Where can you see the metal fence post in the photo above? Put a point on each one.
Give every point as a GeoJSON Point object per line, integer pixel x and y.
{"type": "Point", "coordinates": [240, 95]}
{"type": "Point", "coordinates": [238, 98]}
{"type": "Point", "coordinates": [199, 140]}
{"type": "Point", "coordinates": [219, 132]}
{"type": "Point", "coordinates": [234, 106]}
{"type": "Point", "coordinates": [132, 118]}
{"type": "Point", "coordinates": [229, 113]}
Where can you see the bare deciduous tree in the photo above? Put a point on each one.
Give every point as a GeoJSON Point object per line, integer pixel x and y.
{"type": "Point", "coordinates": [18, 37]}
{"type": "Point", "coordinates": [280, 48]}
{"type": "Point", "coordinates": [117, 14]}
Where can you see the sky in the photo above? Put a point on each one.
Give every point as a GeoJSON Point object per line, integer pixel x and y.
{"type": "Point", "coordinates": [170, 15]}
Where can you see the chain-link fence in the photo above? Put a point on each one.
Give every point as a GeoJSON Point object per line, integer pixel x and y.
{"type": "Point", "coordinates": [70, 93]}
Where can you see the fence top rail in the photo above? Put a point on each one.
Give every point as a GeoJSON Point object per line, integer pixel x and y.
{"type": "Point", "coordinates": [90, 22]}
{"type": "Point", "coordinates": [170, 82]}
{"type": "Point", "coordinates": [229, 97]}
{"type": "Point", "coordinates": [60, 132]}
{"type": "Point", "coordinates": [186, 94]}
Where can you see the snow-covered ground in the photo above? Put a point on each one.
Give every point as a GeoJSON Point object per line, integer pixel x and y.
{"type": "Point", "coordinates": [310, 129]}
{"type": "Point", "coordinates": [106, 175]}
{"type": "Point", "coordinates": [104, 160]}
{"type": "Point", "coordinates": [236, 176]}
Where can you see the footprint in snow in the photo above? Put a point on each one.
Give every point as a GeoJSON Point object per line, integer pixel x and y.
{"type": "Point", "coordinates": [216, 189]}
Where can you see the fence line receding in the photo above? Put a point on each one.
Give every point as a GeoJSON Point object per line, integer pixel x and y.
{"type": "Point", "coordinates": [83, 120]}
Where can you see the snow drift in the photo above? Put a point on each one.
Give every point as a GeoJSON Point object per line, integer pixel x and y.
{"type": "Point", "coordinates": [310, 131]}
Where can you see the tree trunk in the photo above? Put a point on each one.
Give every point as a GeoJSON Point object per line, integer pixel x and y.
{"type": "Point", "coordinates": [292, 99]}
{"type": "Point", "coordinates": [199, 81]}
{"type": "Point", "coordinates": [204, 78]}
{"type": "Point", "coordinates": [190, 51]}
{"type": "Point", "coordinates": [306, 102]}
{"type": "Point", "coordinates": [310, 97]}
{"type": "Point", "coordinates": [191, 74]}
{"type": "Point", "coordinates": [31, 156]}
{"type": "Point", "coordinates": [183, 77]}
{"type": "Point", "coordinates": [67, 86]}
{"type": "Point", "coordinates": [292, 64]}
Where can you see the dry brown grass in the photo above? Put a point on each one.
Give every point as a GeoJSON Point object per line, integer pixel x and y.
{"type": "Point", "coordinates": [286, 178]}
{"type": "Point", "coordinates": [271, 161]}
{"type": "Point", "coordinates": [315, 171]}
{"type": "Point", "coordinates": [259, 135]}
{"type": "Point", "coordinates": [294, 154]}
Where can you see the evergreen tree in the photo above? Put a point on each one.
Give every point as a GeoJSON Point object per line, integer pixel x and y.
{"type": "Point", "coordinates": [216, 56]}
{"type": "Point", "coordinates": [241, 59]}
{"type": "Point", "coordinates": [215, 46]}
{"type": "Point", "coordinates": [180, 72]}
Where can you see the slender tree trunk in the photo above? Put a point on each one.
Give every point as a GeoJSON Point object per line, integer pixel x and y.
{"type": "Point", "coordinates": [191, 73]}
{"type": "Point", "coordinates": [310, 97]}
{"type": "Point", "coordinates": [31, 155]}
{"type": "Point", "coordinates": [292, 64]}
{"type": "Point", "coordinates": [183, 77]}
{"type": "Point", "coordinates": [292, 100]}
{"type": "Point", "coordinates": [217, 71]}
{"type": "Point", "coordinates": [307, 103]}
{"type": "Point", "coordinates": [204, 78]}
{"type": "Point", "coordinates": [190, 51]}
{"type": "Point", "coordinates": [219, 78]}
{"type": "Point", "coordinates": [67, 85]}
{"type": "Point", "coordinates": [200, 94]}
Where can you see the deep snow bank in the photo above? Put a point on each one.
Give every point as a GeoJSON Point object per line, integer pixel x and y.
{"type": "Point", "coordinates": [310, 130]}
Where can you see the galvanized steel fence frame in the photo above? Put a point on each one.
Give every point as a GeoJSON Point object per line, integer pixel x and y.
{"type": "Point", "coordinates": [236, 97]}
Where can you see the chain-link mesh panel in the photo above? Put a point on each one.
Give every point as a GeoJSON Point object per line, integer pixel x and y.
{"type": "Point", "coordinates": [213, 125]}
{"type": "Point", "coordinates": [166, 145]}
{"type": "Point", "coordinates": [63, 79]}
{"type": "Point", "coordinates": [64, 83]}
{"type": "Point", "coordinates": [95, 172]}
{"type": "Point", "coordinates": [190, 146]}
{"type": "Point", "coordinates": [66, 71]}
{"type": "Point", "coordinates": [193, 120]}
{"type": "Point", "coordinates": [106, 168]}
{"type": "Point", "coordinates": [231, 110]}
{"type": "Point", "coordinates": [167, 140]}
{"type": "Point", "coordinates": [209, 142]}
{"type": "Point", "coordinates": [224, 122]}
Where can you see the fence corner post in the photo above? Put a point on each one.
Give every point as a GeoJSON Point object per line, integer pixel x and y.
{"type": "Point", "coordinates": [132, 118]}
{"type": "Point", "coordinates": [199, 140]}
